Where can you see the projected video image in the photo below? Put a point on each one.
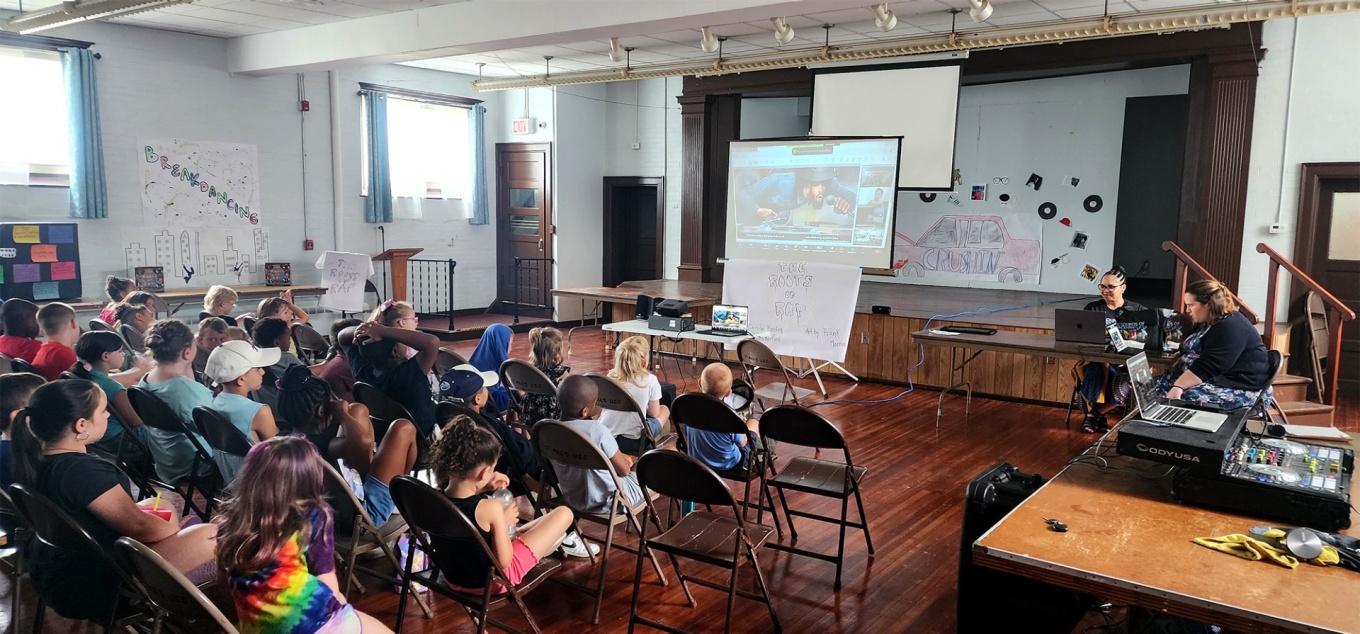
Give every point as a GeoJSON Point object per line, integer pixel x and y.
{"type": "Point", "coordinates": [833, 197]}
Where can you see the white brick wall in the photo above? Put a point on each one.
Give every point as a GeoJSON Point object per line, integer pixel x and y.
{"type": "Point", "coordinates": [646, 112]}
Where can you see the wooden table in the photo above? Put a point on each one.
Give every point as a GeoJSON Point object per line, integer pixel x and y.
{"type": "Point", "coordinates": [251, 291]}
{"type": "Point", "coordinates": [624, 296]}
{"type": "Point", "coordinates": [1034, 344]}
{"type": "Point", "coordinates": [1129, 542]}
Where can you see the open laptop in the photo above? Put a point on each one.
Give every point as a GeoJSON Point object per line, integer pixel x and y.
{"type": "Point", "coordinates": [728, 321]}
{"type": "Point", "coordinates": [1154, 409]}
{"type": "Point", "coordinates": [1079, 326]}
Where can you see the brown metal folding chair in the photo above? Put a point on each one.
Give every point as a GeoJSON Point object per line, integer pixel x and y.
{"type": "Point", "coordinates": [612, 396]}
{"type": "Point", "coordinates": [756, 356]}
{"type": "Point", "coordinates": [132, 338]}
{"type": "Point", "coordinates": [713, 538]}
{"type": "Point", "coordinates": [172, 596]}
{"type": "Point", "coordinates": [431, 514]}
{"type": "Point", "coordinates": [155, 413]}
{"type": "Point", "coordinates": [701, 411]}
{"type": "Point", "coordinates": [559, 443]}
{"type": "Point", "coordinates": [96, 323]}
{"type": "Point", "coordinates": [445, 360]}
{"type": "Point", "coordinates": [803, 427]}
{"type": "Point", "coordinates": [522, 376]}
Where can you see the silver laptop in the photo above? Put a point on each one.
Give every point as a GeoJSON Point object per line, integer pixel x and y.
{"type": "Point", "coordinates": [1153, 408]}
{"type": "Point", "coordinates": [1079, 326]}
{"type": "Point", "coordinates": [728, 321]}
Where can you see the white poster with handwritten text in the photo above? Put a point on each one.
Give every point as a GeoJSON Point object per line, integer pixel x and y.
{"type": "Point", "coordinates": [197, 184]}
{"type": "Point", "coordinates": [343, 275]}
{"type": "Point", "coordinates": [800, 309]}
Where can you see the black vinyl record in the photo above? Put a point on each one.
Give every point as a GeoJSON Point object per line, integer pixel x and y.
{"type": "Point", "coordinates": [927, 198]}
{"type": "Point", "coordinates": [1093, 203]}
{"type": "Point", "coordinates": [1048, 211]}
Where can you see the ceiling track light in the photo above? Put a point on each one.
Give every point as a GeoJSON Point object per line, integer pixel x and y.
{"type": "Point", "coordinates": [74, 12]}
{"type": "Point", "coordinates": [615, 50]}
{"type": "Point", "coordinates": [708, 42]}
{"type": "Point", "coordinates": [1165, 21]}
{"type": "Point", "coordinates": [884, 19]}
{"type": "Point", "coordinates": [783, 33]}
{"type": "Point", "coordinates": [979, 10]}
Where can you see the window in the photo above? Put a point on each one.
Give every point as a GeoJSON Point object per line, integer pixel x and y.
{"type": "Point", "coordinates": [427, 149]}
{"type": "Point", "coordinates": [34, 140]}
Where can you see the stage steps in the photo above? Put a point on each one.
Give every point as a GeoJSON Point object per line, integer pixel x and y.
{"type": "Point", "coordinates": [1291, 394]}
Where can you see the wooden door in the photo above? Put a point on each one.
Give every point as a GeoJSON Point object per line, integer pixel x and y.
{"type": "Point", "coordinates": [1328, 250]}
{"type": "Point", "coordinates": [634, 223]}
{"type": "Point", "coordinates": [524, 223]}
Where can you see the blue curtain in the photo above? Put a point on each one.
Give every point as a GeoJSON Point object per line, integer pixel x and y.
{"type": "Point", "coordinates": [89, 196]}
{"type": "Point", "coordinates": [378, 205]}
{"type": "Point", "coordinates": [476, 141]}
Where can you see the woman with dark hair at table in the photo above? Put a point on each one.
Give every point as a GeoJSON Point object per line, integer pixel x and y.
{"type": "Point", "coordinates": [1098, 381]}
{"type": "Point", "coordinates": [1223, 361]}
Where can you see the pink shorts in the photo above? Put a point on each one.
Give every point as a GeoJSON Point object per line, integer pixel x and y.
{"type": "Point", "coordinates": [522, 561]}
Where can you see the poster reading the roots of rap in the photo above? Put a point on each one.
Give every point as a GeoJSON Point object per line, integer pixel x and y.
{"type": "Point", "coordinates": [800, 309]}
{"type": "Point", "coordinates": [199, 184]}
{"type": "Point", "coordinates": [343, 275]}
{"type": "Point", "coordinates": [1002, 247]}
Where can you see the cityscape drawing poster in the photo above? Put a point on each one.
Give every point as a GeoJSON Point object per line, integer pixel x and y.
{"type": "Point", "coordinates": [198, 184]}
{"type": "Point", "coordinates": [199, 257]}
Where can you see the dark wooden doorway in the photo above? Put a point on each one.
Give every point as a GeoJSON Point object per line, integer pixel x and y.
{"type": "Point", "coordinates": [524, 225]}
{"type": "Point", "coordinates": [1327, 250]}
{"type": "Point", "coordinates": [634, 227]}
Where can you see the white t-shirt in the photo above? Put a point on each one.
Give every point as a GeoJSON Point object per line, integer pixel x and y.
{"type": "Point", "coordinates": [626, 424]}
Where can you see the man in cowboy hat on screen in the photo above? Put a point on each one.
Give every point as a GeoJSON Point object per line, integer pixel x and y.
{"type": "Point", "coordinates": [774, 198]}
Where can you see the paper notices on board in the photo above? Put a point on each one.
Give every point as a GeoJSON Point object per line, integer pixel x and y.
{"type": "Point", "coordinates": [343, 275]}
{"type": "Point", "coordinates": [800, 309]}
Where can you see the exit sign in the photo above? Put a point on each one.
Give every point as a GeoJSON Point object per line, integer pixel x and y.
{"type": "Point", "coordinates": [521, 126]}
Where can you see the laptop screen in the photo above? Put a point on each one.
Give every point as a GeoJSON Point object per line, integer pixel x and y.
{"type": "Point", "coordinates": [1140, 376]}
{"type": "Point", "coordinates": [727, 317]}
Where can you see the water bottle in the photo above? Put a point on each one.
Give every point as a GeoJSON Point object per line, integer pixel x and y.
{"type": "Point", "coordinates": [506, 498]}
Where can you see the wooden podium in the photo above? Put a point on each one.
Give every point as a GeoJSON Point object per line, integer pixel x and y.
{"type": "Point", "coordinates": [398, 258]}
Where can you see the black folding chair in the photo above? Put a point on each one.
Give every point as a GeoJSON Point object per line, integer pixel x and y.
{"type": "Point", "coordinates": [701, 411]}
{"type": "Point", "coordinates": [155, 413]}
{"type": "Point", "coordinates": [311, 346]}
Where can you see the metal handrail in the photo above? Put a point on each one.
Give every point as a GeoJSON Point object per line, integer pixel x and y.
{"type": "Point", "coordinates": [426, 280]}
{"type": "Point", "coordinates": [1337, 312]}
{"type": "Point", "coordinates": [544, 267]}
{"type": "Point", "coordinates": [1184, 262]}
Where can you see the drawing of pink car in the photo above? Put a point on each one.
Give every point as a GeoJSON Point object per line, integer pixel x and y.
{"type": "Point", "coordinates": [968, 245]}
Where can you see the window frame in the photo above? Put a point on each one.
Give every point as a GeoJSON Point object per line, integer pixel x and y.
{"type": "Point", "coordinates": [42, 174]}
{"type": "Point", "coordinates": [450, 101]}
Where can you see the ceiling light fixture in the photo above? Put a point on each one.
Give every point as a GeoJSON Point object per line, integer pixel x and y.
{"type": "Point", "coordinates": [783, 33]}
{"type": "Point", "coordinates": [979, 10]}
{"type": "Point", "coordinates": [615, 51]}
{"type": "Point", "coordinates": [708, 42]}
{"type": "Point", "coordinates": [73, 12]}
{"type": "Point", "coordinates": [885, 20]}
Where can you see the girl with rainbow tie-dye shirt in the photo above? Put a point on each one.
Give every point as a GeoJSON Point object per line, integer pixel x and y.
{"type": "Point", "coordinates": [276, 543]}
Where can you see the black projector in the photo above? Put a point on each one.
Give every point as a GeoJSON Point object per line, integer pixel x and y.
{"type": "Point", "coordinates": [673, 324]}
{"type": "Point", "coordinates": [1198, 451]}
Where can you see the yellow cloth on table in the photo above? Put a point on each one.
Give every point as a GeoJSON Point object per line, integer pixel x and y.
{"type": "Point", "coordinates": [1248, 547]}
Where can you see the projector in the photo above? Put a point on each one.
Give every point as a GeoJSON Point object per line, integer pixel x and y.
{"type": "Point", "coordinates": [673, 324]}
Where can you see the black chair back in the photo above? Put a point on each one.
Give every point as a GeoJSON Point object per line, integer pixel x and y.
{"type": "Point", "coordinates": [203, 314]}
{"type": "Point", "coordinates": [96, 323]}
{"type": "Point", "coordinates": [681, 477]}
{"type": "Point", "coordinates": [800, 426]}
{"type": "Point", "coordinates": [54, 526]}
{"type": "Point", "coordinates": [6, 364]}
{"type": "Point", "coordinates": [702, 411]}
{"type": "Point", "coordinates": [19, 365]}
{"type": "Point", "coordinates": [310, 344]}
{"type": "Point", "coordinates": [426, 509]}
{"type": "Point", "coordinates": [248, 324]}
{"type": "Point", "coordinates": [220, 433]}
{"type": "Point", "coordinates": [380, 406]}
{"type": "Point", "coordinates": [154, 412]}
{"type": "Point", "coordinates": [67, 375]}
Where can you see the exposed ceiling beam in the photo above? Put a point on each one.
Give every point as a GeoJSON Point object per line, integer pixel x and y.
{"type": "Point", "coordinates": [477, 27]}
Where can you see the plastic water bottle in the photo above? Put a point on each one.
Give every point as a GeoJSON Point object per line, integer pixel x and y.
{"type": "Point", "coordinates": [506, 498]}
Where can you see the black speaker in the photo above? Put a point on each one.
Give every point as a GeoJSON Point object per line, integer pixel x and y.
{"type": "Point", "coordinates": [991, 601]}
{"type": "Point", "coordinates": [671, 307]}
{"type": "Point", "coordinates": [880, 310]}
{"type": "Point", "coordinates": [644, 306]}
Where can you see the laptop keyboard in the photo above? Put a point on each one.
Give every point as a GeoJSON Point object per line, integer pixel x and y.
{"type": "Point", "coordinates": [1172, 415]}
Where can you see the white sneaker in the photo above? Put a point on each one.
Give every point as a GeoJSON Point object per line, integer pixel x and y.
{"type": "Point", "coordinates": [572, 546]}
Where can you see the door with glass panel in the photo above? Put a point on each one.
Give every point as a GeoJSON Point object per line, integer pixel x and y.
{"type": "Point", "coordinates": [1328, 250]}
{"type": "Point", "coordinates": [524, 228]}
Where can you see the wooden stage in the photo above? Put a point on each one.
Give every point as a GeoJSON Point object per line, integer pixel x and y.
{"type": "Point", "coordinates": [882, 348]}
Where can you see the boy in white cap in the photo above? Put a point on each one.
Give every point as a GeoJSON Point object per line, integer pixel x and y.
{"type": "Point", "coordinates": [238, 368]}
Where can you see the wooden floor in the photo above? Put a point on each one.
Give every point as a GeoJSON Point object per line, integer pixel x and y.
{"type": "Point", "coordinates": [914, 494]}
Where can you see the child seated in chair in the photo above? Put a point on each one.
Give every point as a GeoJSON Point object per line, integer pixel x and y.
{"type": "Point", "coordinates": [630, 371]}
{"type": "Point", "coordinates": [211, 333]}
{"type": "Point", "coordinates": [238, 368]}
{"type": "Point", "coordinates": [465, 460]}
{"type": "Point", "coordinates": [56, 355]}
{"type": "Point", "coordinates": [467, 386]}
{"type": "Point", "coordinates": [19, 340]}
{"type": "Point", "coordinates": [592, 490]}
{"type": "Point", "coordinates": [274, 333]}
{"type": "Point", "coordinates": [720, 451]}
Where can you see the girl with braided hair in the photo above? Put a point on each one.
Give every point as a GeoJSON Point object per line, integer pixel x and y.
{"type": "Point", "coordinates": [344, 431]}
{"type": "Point", "coordinates": [465, 463]}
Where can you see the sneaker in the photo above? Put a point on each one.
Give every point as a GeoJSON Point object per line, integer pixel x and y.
{"type": "Point", "coordinates": [572, 546]}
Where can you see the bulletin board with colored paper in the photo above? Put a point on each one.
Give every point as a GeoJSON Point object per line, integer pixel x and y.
{"type": "Point", "coordinates": [39, 261]}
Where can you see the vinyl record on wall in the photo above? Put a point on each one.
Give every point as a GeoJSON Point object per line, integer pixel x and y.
{"type": "Point", "coordinates": [927, 198]}
{"type": "Point", "coordinates": [1093, 203]}
{"type": "Point", "coordinates": [1048, 211]}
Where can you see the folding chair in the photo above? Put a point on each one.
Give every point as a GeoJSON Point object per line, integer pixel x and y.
{"type": "Point", "coordinates": [221, 435]}
{"type": "Point", "coordinates": [712, 538]}
{"type": "Point", "coordinates": [155, 413]}
{"type": "Point", "coordinates": [557, 442]}
{"type": "Point", "coordinates": [431, 514]}
{"type": "Point", "coordinates": [701, 411]}
{"type": "Point", "coordinates": [20, 533]}
{"type": "Point", "coordinates": [203, 314]}
{"type": "Point", "coordinates": [756, 356]}
{"type": "Point", "coordinates": [132, 338]}
{"type": "Point", "coordinates": [1261, 406]}
{"type": "Point", "coordinates": [247, 324]}
{"type": "Point", "coordinates": [172, 596]}
{"type": "Point", "coordinates": [19, 365]}
{"type": "Point", "coordinates": [96, 324]}
{"type": "Point", "coordinates": [311, 346]}
{"type": "Point", "coordinates": [382, 409]}
{"type": "Point", "coordinates": [6, 364]}
{"type": "Point", "coordinates": [522, 376]}
{"type": "Point", "coordinates": [445, 360]}
{"type": "Point", "coordinates": [612, 396]}
{"type": "Point", "coordinates": [805, 428]}
{"type": "Point", "coordinates": [55, 528]}
{"type": "Point", "coordinates": [363, 537]}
